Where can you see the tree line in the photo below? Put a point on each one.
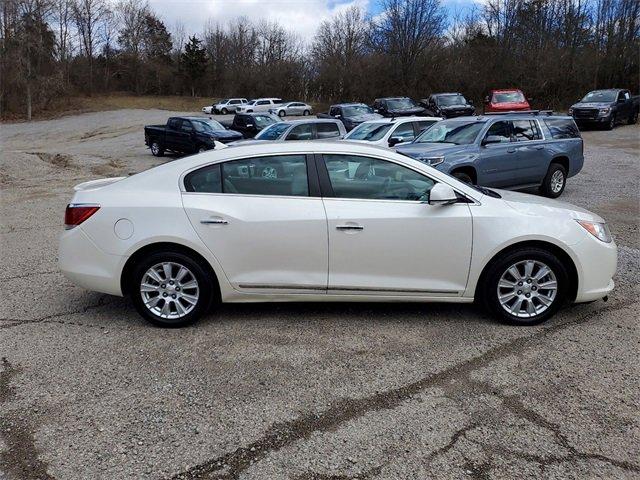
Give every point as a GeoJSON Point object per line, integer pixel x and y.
{"type": "Point", "coordinates": [554, 50]}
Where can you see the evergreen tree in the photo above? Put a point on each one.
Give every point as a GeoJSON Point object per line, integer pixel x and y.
{"type": "Point", "coordinates": [193, 62]}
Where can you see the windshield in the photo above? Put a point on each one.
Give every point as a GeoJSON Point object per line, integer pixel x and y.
{"type": "Point", "coordinates": [224, 100]}
{"type": "Point", "coordinates": [252, 102]}
{"type": "Point", "coordinates": [448, 100]}
{"type": "Point", "coordinates": [273, 132]}
{"type": "Point", "coordinates": [451, 131]}
{"type": "Point", "coordinates": [355, 110]}
{"type": "Point", "coordinates": [601, 96]}
{"type": "Point", "coordinates": [369, 131]}
{"type": "Point", "coordinates": [206, 125]}
{"type": "Point", "coordinates": [508, 97]}
{"type": "Point", "coordinates": [400, 103]}
{"type": "Point", "coordinates": [264, 120]}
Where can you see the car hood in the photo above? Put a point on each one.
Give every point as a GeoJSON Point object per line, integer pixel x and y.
{"type": "Point", "coordinates": [227, 134]}
{"type": "Point", "coordinates": [418, 150]}
{"type": "Point", "coordinates": [449, 108]}
{"type": "Point", "coordinates": [535, 205]}
{"type": "Point", "coordinates": [591, 105]}
{"type": "Point", "coordinates": [363, 118]}
{"type": "Point", "coordinates": [406, 111]}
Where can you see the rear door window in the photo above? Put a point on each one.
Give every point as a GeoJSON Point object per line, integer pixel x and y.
{"type": "Point", "coordinates": [204, 180]}
{"type": "Point", "coordinates": [404, 131]}
{"type": "Point", "coordinates": [281, 175]}
{"type": "Point", "coordinates": [301, 132]}
{"type": "Point", "coordinates": [525, 130]}
{"type": "Point", "coordinates": [561, 128]}
{"type": "Point", "coordinates": [327, 130]}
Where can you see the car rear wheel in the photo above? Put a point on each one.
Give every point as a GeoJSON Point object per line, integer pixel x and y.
{"type": "Point", "coordinates": [525, 287]}
{"type": "Point", "coordinates": [633, 118]}
{"type": "Point", "coordinates": [156, 149]}
{"type": "Point", "coordinates": [282, 113]}
{"type": "Point", "coordinates": [170, 289]}
{"type": "Point", "coordinates": [555, 181]}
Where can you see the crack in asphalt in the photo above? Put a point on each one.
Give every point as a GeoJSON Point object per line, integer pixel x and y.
{"type": "Point", "coordinates": [32, 274]}
{"type": "Point", "coordinates": [51, 318]}
{"type": "Point", "coordinates": [232, 464]}
{"type": "Point", "coordinates": [366, 475]}
{"type": "Point", "coordinates": [20, 457]}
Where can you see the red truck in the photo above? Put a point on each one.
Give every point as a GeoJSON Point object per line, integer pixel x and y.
{"type": "Point", "coordinates": [506, 100]}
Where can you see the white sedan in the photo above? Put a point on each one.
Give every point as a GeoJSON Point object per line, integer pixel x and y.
{"type": "Point", "coordinates": [327, 221]}
{"type": "Point", "coordinates": [389, 132]}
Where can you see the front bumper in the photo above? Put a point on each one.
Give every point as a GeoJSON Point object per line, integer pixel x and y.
{"type": "Point", "coordinates": [86, 265]}
{"type": "Point", "coordinates": [596, 267]}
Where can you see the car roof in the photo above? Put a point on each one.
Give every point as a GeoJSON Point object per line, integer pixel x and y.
{"type": "Point", "coordinates": [351, 104]}
{"type": "Point", "coordinates": [450, 94]}
{"type": "Point", "coordinates": [391, 98]}
{"type": "Point", "coordinates": [399, 120]}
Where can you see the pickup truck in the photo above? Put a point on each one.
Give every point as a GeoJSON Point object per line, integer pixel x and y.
{"type": "Point", "coordinates": [506, 100]}
{"type": "Point", "coordinates": [394, 107]}
{"type": "Point", "coordinates": [512, 151]}
{"type": "Point", "coordinates": [187, 135]}
{"type": "Point", "coordinates": [606, 107]}
{"type": "Point", "coordinates": [351, 114]}
{"type": "Point", "coordinates": [448, 105]}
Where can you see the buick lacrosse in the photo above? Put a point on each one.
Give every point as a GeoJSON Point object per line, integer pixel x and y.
{"type": "Point", "coordinates": [327, 221]}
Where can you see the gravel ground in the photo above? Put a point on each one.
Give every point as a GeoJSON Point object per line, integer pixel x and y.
{"type": "Point", "coordinates": [305, 392]}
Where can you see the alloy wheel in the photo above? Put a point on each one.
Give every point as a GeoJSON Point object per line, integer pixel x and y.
{"type": "Point", "coordinates": [557, 181]}
{"type": "Point", "coordinates": [527, 289]}
{"type": "Point", "coordinates": [155, 148]}
{"type": "Point", "coordinates": [169, 290]}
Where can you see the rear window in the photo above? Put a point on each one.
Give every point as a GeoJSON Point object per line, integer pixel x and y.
{"type": "Point", "coordinates": [562, 128]}
{"type": "Point", "coordinates": [204, 180]}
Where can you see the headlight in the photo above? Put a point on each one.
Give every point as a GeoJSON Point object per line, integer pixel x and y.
{"type": "Point", "coordinates": [605, 111]}
{"type": "Point", "coordinates": [432, 161]}
{"type": "Point", "coordinates": [598, 230]}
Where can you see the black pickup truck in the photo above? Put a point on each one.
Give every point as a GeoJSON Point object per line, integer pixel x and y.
{"type": "Point", "coordinates": [606, 108]}
{"type": "Point", "coordinates": [187, 135]}
{"type": "Point", "coordinates": [351, 114]}
{"type": "Point", "coordinates": [448, 105]}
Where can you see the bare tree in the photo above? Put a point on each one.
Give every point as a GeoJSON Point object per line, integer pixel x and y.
{"type": "Point", "coordinates": [88, 14]}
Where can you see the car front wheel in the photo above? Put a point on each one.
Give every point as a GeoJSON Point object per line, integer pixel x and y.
{"type": "Point", "coordinates": [170, 289]}
{"type": "Point", "coordinates": [282, 113]}
{"type": "Point", "coordinates": [525, 287]}
{"type": "Point", "coordinates": [224, 111]}
{"type": "Point", "coordinates": [611, 124]}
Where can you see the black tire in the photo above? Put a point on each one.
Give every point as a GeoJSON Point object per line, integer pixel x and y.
{"type": "Point", "coordinates": [204, 283]}
{"type": "Point", "coordinates": [156, 149]}
{"type": "Point", "coordinates": [633, 118]}
{"type": "Point", "coordinates": [224, 111]}
{"type": "Point", "coordinates": [463, 177]}
{"type": "Point", "coordinates": [306, 113]}
{"type": "Point", "coordinates": [282, 113]}
{"type": "Point", "coordinates": [489, 292]}
{"type": "Point", "coordinates": [611, 124]}
{"type": "Point", "coordinates": [549, 187]}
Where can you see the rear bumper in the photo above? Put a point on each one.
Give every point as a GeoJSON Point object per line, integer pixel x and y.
{"type": "Point", "coordinates": [86, 265]}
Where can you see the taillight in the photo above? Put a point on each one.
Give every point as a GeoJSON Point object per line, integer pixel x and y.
{"type": "Point", "coordinates": [76, 213]}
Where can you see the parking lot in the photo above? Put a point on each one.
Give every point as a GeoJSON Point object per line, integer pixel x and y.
{"type": "Point", "coordinates": [88, 390]}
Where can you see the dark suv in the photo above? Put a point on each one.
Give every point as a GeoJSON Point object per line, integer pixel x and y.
{"type": "Point", "coordinates": [513, 151]}
{"type": "Point", "coordinates": [397, 107]}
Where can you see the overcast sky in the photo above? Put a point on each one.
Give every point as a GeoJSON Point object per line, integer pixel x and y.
{"type": "Point", "coordinates": [299, 16]}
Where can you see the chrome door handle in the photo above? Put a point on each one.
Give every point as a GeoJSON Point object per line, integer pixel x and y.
{"type": "Point", "coordinates": [349, 227]}
{"type": "Point", "coordinates": [214, 222]}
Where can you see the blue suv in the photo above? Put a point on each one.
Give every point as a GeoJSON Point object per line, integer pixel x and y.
{"type": "Point", "coordinates": [511, 151]}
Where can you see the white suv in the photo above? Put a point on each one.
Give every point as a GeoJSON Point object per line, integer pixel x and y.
{"type": "Point", "coordinates": [225, 106]}
{"type": "Point", "coordinates": [389, 132]}
{"type": "Point", "coordinates": [259, 105]}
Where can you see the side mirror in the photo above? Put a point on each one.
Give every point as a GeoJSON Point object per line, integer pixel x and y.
{"type": "Point", "coordinates": [442, 194]}
{"type": "Point", "coordinates": [492, 139]}
{"type": "Point", "coordinates": [395, 140]}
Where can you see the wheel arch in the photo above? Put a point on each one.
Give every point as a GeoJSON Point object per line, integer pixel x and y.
{"type": "Point", "coordinates": [558, 251]}
{"type": "Point", "coordinates": [562, 160]}
{"type": "Point", "coordinates": [142, 252]}
{"type": "Point", "coordinates": [469, 170]}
